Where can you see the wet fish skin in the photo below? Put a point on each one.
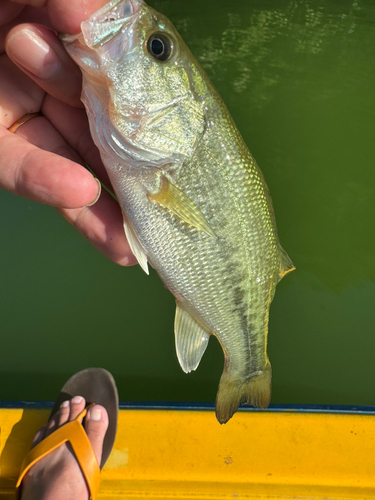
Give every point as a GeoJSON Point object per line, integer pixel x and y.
{"type": "Point", "coordinates": [195, 204]}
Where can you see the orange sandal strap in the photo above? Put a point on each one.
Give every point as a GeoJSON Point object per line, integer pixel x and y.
{"type": "Point", "coordinates": [74, 433]}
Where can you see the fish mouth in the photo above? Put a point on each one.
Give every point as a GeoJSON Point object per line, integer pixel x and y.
{"type": "Point", "coordinates": [105, 24]}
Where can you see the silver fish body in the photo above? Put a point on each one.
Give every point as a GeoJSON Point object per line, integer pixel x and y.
{"type": "Point", "coordinates": [195, 204]}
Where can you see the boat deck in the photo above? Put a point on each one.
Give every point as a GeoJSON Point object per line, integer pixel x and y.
{"type": "Point", "coordinates": [183, 453]}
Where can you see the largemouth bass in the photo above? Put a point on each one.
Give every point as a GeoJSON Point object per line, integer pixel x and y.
{"type": "Point", "coordinates": [195, 204]}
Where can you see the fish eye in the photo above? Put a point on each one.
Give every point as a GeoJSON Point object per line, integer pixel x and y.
{"type": "Point", "coordinates": [160, 46]}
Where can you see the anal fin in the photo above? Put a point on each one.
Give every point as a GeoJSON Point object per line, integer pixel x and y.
{"type": "Point", "coordinates": [191, 340]}
{"type": "Point", "coordinates": [181, 205]}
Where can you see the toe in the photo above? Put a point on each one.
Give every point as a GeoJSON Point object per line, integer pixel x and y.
{"type": "Point", "coordinates": [96, 425]}
{"type": "Point", "coordinates": [39, 436]}
{"type": "Point", "coordinates": [64, 412]}
{"type": "Point", "coordinates": [52, 424]}
{"type": "Point", "coordinates": [77, 404]}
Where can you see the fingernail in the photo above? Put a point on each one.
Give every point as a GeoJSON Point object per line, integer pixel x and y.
{"type": "Point", "coordinates": [32, 52]}
{"type": "Point", "coordinates": [95, 414]}
{"type": "Point", "coordinates": [77, 399]}
{"type": "Point", "coordinates": [98, 195]}
{"type": "Point", "coordinates": [64, 404]}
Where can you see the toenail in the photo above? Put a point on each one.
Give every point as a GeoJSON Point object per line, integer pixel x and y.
{"type": "Point", "coordinates": [95, 414]}
{"type": "Point", "coordinates": [64, 404]}
{"type": "Point", "coordinates": [77, 399]}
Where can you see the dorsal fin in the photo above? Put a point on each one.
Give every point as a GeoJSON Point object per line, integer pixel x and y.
{"type": "Point", "coordinates": [181, 205]}
{"type": "Point", "coordinates": [191, 340]}
{"type": "Point", "coordinates": [286, 265]}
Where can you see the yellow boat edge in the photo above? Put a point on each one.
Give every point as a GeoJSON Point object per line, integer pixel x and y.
{"type": "Point", "coordinates": [179, 452]}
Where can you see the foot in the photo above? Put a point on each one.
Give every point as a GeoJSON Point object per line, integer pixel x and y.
{"type": "Point", "coordinates": [58, 476]}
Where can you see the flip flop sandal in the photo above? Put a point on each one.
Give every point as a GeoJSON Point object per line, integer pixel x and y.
{"type": "Point", "coordinates": [97, 386]}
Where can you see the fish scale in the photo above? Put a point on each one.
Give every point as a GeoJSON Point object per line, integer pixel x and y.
{"type": "Point", "coordinates": [195, 204]}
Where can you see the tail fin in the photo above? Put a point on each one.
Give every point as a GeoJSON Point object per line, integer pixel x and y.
{"type": "Point", "coordinates": [234, 390]}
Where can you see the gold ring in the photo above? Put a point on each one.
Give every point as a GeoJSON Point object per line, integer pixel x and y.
{"type": "Point", "coordinates": [23, 120]}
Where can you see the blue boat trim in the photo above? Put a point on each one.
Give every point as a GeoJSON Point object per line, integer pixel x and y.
{"type": "Point", "coordinates": [273, 408]}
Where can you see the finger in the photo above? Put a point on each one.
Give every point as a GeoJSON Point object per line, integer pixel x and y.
{"type": "Point", "coordinates": [18, 94]}
{"type": "Point", "coordinates": [42, 176]}
{"type": "Point", "coordinates": [73, 125]}
{"type": "Point", "coordinates": [66, 17]}
{"type": "Point", "coordinates": [38, 52]}
{"type": "Point", "coordinates": [33, 3]}
{"type": "Point", "coordinates": [9, 11]}
{"type": "Point", "coordinates": [41, 133]}
{"type": "Point", "coordinates": [102, 225]}
{"type": "Point", "coordinates": [27, 15]}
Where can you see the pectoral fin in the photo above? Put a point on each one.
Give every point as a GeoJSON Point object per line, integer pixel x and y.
{"type": "Point", "coordinates": [191, 340]}
{"type": "Point", "coordinates": [181, 205]}
{"type": "Point", "coordinates": [135, 246]}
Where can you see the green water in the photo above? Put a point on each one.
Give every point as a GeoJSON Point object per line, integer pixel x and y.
{"type": "Point", "coordinates": [298, 77]}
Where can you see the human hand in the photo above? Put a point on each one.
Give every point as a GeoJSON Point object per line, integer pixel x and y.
{"type": "Point", "coordinates": [43, 159]}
